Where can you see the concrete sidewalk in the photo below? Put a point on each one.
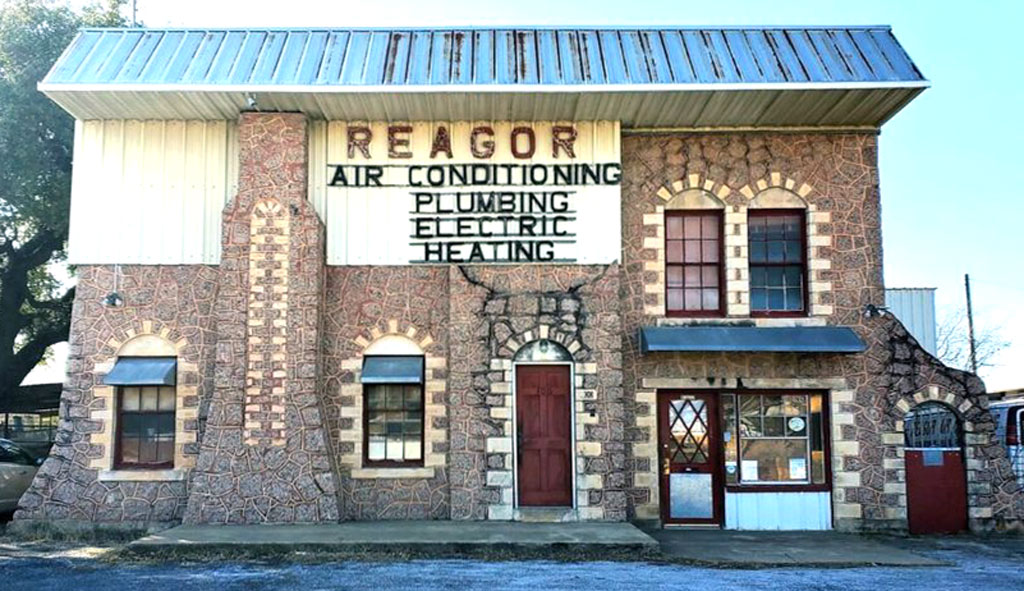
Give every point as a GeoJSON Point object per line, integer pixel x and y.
{"type": "Point", "coordinates": [426, 536]}
{"type": "Point", "coordinates": [747, 549]}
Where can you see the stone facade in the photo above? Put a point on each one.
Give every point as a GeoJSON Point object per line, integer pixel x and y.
{"type": "Point", "coordinates": [270, 346]}
{"type": "Point", "coordinates": [171, 305]}
{"type": "Point", "coordinates": [264, 455]}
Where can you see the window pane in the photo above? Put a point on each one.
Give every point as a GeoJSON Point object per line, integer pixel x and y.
{"type": "Point", "coordinates": [674, 254]}
{"type": "Point", "coordinates": [794, 254]}
{"type": "Point", "coordinates": [729, 448]}
{"type": "Point", "coordinates": [692, 251]}
{"type": "Point", "coordinates": [758, 299]}
{"type": "Point", "coordinates": [674, 227]}
{"type": "Point", "coordinates": [413, 424]}
{"type": "Point", "coordinates": [794, 299]}
{"type": "Point", "coordinates": [774, 275]}
{"type": "Point", "coordinates": [692, 276]}
{"type": "Point", "coordinates": [167, 396]}
{"type": "Point", "coordinates": [774, 460]}
{"type": "Point", "coordinates": [750, 416]}
{"type": "Point", "coordinates": [709, 226]}
{"type": "Point", "coordinates": [394, 423]}
{"type": "Point", "coordinates": [375, 449]}
{"type": "Point", "coordinates": [758, 252]}
{"type": "Point", "coordinates": [709, 276]}
{"type": "Point", "coordinates": [149, 397]}
{"type": "Point", "coordinates": [129, 450]}
{"type": "Point", "coordinates": [691, 226]}
{"type": "Point", "coordinates": [164, 424]}
{"type": "Point", "coordinates": [816, 428]}
{"type": "Point", "coordinates": [413, 398]}
{"type": "Point", "coordinates": [394, 447]}
{"type": "Point", "coordinates": [693, 299]}
{"type": "Point", "coordinates": [165, 452]}
{"type": "Point", "coordinates": [772, 406]}
{"type": "Point", "coordinates": [374, 397]}
{"type": "Point", "coordinates": [710, 299]}
{"type": "Point", "coordinates": [758, 276]}
{"type": "Point", "coordinates": [776, 299]}
{"type": "Point", "coordinates": [147, 451]}
{"type": "Point", "coordinates": [413, 449]}
{"type": "Point", "coordinates": [709, 251]}
{"type": "Point", "coordinates": [792, 276]}
{"type": "Point", "coordinates": [675, 299]}
{"type": "Point", "coordinates": [674, 276]}
{"type": "Point", "coordinates": [393, 397]}
{"type": "Point", "coordinates": [129, 398]}
{"type": "Point", "coordinates": [774, 426]}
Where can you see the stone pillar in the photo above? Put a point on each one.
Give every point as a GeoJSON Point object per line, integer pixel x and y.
{"type": "Point", "coordinates": [263, 456]}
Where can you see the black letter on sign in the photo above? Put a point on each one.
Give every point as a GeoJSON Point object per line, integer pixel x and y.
{"type": "Point", "coordinates": [395, 142]}
{"type": "Point", "coordinates": [484, 149]}
{"type": "Point", "coordinates": [339, 180]}
{"type": "Point", "coordinates": [531, 142]}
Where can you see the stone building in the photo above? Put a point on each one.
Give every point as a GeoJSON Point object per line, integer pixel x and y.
{"type": "Point", "coordinates": [531, 274]}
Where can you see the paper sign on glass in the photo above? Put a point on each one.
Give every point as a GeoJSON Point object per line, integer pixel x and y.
{"type": "Point", "coordinates": [797, 468]}
{"type": "Point", "coordinates": [749, 468]}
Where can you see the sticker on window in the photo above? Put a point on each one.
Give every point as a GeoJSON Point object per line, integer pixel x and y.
{"type": "Point", "coordinates": [797, 424]}
{"type": "Point", "coordinates": [797, 468]}
{"type": "Point", "coordinates": [749, 468]}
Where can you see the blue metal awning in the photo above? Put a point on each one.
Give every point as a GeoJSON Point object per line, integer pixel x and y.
{"type": "Point", "coordinates": [143, 371]}
{"type": "Point", "coordinates": [393, 370]}
{"type": "Point", "coordinates": [750, 339]}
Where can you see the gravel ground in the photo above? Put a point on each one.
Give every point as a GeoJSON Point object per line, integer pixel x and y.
{"type": "Point", "coordinates": [977, 564]}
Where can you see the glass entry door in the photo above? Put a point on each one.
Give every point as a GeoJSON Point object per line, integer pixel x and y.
{"type": "Point", "coordinates": [688, 435]}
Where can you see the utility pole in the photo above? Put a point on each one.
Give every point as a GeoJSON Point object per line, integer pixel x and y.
{"type": "Point", "coordinates": [970, 324]}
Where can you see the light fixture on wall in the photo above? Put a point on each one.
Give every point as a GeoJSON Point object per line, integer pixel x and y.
{"type": "Point", "coordinates": [250, 102]}
{"type": "Point", "coordinates": [873, 311]}
{"type": "Point", "coordinates": [114, 299]}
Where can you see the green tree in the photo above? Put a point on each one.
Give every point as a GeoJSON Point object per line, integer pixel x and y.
{"type": "Point", "coordinates": [35, 179]}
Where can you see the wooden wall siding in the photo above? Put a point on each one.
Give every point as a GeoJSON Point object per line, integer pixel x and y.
{"type": "Point", "coordinates": [372, 227]}
{"type": "Point", "coordinates": [151, 192]}
{"type": "Point", "coordinates": [778, 511]}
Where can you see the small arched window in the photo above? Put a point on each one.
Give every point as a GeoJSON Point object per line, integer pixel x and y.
{"type": "Point", "coordinates": [932, 425]}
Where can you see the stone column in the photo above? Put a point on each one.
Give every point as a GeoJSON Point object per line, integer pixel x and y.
{"type": "Point", "coordinates": [263, 456]}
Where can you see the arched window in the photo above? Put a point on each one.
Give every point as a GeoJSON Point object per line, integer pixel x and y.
{"type": "Point", "coordinates": [694, 255]}
{"type": "Point", "coordinates": [777, 249]}
{"type": "Point", "coordinates": [543, 350]}
{"type": "Point", "coordinates": [392, 377]}
{"type": "Point", "coordinates": [932, 425]}
{"type": "Point", "coordinates": [145, 380]}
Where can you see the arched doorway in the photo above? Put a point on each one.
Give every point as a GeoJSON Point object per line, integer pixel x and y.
{"type": "Point", "coordinates": [936, 480]}
{"type": "Point", "coordinates": [544, 431]}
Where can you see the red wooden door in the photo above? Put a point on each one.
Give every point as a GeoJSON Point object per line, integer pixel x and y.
{"type": "Point", "coordinates": [936, 491]}
{"type": "Point", "coordinates": [934, 461]}
{"type": "Point", "coordinates": [544, 435]}
{"type": "Point", "coordinates": [691, 492]}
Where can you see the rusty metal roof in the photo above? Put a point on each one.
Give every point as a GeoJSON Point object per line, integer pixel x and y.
{"type": "Point", "coordinates": [299, 67]}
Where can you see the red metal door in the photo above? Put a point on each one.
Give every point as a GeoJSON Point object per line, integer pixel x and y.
{"type": "Point", "coordinates": [934, 461]}
{"type": "Point", "coordinates": [690, 480]}
{"type": "Point", "coordinates": [544, 435]}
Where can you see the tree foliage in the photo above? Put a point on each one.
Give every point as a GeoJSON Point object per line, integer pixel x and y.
{"type": "Point", "coordinates": [36, 139]}
{"type": "Point", "coordinates": [953, 345]}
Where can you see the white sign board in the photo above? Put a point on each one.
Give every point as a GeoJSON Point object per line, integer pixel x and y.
{"type": "Point", "coordinates": [472, 193]}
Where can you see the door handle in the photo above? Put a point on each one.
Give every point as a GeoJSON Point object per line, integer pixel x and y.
{"type": "Point", "coordinates": [667, 466]}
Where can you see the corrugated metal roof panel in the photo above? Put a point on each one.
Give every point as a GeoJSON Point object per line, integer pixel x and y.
{"type": "Point", "coordinates": [915, 308]}
{"type": "Point", "coordinates": [445, 57]}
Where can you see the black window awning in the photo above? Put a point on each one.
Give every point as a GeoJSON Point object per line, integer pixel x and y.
{"type": "Point", "coordinates": [396, 369]}
{"type": "Point", "coordinates": [750, 339]}
{"type": "Point", "coordinates": [143, 371]}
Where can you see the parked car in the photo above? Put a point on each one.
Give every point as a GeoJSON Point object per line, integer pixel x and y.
{"type": "Point", "coordinates": [1009, 416]}
{"type": "Point", "coordinates": [17, 469]}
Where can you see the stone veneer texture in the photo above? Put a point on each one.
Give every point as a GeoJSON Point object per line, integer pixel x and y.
{"type": "Point", "coordinates": [277, 385]}
{"type": "Point", "coordinates": [264, 454]}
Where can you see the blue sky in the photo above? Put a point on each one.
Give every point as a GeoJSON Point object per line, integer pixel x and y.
{"type": "Point", "coordinates": [951, 182]}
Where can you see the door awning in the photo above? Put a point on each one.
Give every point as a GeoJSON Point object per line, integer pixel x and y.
{"type": "Point", "coordinates": [397, 369]}
{"type": "Point", "coordinates": [750, 339]}
{"type": "Point", "coordinates": [143, 371]}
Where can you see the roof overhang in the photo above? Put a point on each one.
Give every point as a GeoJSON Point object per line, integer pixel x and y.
{"type": "Point", "coordinates": [640, 106]}
{"type": "Point", "coordinates": [750, 339]}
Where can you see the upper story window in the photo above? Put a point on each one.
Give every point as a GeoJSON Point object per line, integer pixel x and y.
{"type": "Point", "coordinates": [393, 410]}
{"type": "Point", "coordinates": [146, 401]}
{"type": "Point", "coordinates": [694, 263]}
{"type": "Point", "coordinates": [778, 262]}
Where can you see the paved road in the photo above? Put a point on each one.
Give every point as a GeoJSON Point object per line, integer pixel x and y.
{"type": "Point", "coordinates": [976, 565]}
